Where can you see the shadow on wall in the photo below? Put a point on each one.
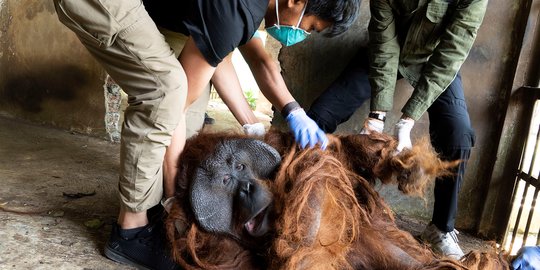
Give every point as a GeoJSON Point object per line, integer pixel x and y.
{"type": "Point", "coordinates": [29, 90]}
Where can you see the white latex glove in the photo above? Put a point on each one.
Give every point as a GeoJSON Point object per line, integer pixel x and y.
{"type": "Point", "coordinates": [372, 125]}
{"type": "Point", "coordinates": [255, 129]}
{"type": "Point", "coordinates": [403, 134]}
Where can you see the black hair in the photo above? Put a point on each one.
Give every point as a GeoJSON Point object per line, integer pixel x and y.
{"type": "Point", "coordinates": [341, 13]}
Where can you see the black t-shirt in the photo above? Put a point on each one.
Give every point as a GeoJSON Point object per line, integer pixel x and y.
{"type": "Point", "coordinates": [217, 26]}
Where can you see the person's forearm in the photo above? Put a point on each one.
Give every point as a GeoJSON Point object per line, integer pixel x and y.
{"type": "Point", "coordinates": [271, 83]}
{"type": "Point", "coordinates": [225, 80]}
{"type": "Point", "coordinates": [306, 131]}
{"type": "Point", "coordinates": [266, 73]}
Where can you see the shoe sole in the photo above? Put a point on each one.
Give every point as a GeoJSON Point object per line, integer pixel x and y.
{"type": "Point", "coordinates": [118, 257]}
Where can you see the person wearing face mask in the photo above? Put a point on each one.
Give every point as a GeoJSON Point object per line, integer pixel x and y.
{"type": "Point", "coordinates": [124, 37]}
{"type": "Point", "coordinates": [288, 35]}
{"type": "Point", "coordinates": [225, 79]}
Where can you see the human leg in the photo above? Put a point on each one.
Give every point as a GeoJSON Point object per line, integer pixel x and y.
{"type": "Point", "coordinates": [452, 137]}
{"type": "Point", "coordinates": [123, 38]}
{"type": "Point", "coordinates": [194, 119]}
{"type": "Point", "coordinates": [195, 113]}
{"type": "Point", "coordinates": [343, 97]}
{"type": "Point", "coordinates": [447, 189]}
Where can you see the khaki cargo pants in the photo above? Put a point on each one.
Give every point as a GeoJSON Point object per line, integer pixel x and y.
{"type": "Point", "coordinates": [195, 112]}
{"type": "Point", "coordinates": [129, 46]}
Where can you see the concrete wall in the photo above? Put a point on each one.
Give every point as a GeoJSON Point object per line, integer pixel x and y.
{"type": "Point", "coordinates": [46, 76]}
{"type": "Point", "coordinates": [515, 130]}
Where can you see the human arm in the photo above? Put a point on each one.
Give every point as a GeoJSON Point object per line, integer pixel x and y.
{"type": "Point", "coordinates": [272, 85]}
{"type": "Point", "coordinates": [266, 73]}
{"type": "Point", "coordinates": [227, 85]}
{"type": "Point", "coordinates": [450, 53]}
{"type": "Point", "coordinates": [384, 52]}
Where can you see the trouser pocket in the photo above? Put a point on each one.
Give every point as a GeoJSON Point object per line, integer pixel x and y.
{"type": "Point", "coordinates": [98, 21]}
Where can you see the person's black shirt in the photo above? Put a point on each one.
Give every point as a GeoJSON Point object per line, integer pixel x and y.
{"type": "Point", "coordinates": [217, 26]}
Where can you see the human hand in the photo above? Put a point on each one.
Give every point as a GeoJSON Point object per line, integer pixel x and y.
{"type": "Point", "coordinates": [403, 133]}
{"type": "Point", "coordinates": [528, 258]}
{"type": "Point", "coordinates": [255, 129]}
{"type": "Point", "coordinates": [306, 130]}
{"type": "Point", "coordinates": [372, 125]}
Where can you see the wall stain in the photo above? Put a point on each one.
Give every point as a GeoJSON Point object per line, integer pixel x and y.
{"type": "Point", "coordinates": [33, 8]}
{"type": "Point", "coordinates": [479, 54]}
{"type": "Point", "coordinates": [29, 90]}
{"type": "Point", "coordinates": [5, 18]}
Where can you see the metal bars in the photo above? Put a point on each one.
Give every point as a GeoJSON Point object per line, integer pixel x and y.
{"type": "Point", "coordinates": [524, 224]}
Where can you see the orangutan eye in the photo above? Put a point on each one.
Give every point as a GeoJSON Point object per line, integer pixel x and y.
{"type": "Point", "coordinates": [226, 179]}
{"type": "Point", "coordinates": [240, 167]}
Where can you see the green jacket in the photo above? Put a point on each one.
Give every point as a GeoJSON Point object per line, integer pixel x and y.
{"type": "Point", "coordinates": [427, 41]}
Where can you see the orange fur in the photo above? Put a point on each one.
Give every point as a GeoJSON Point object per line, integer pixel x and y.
{"type": "Point", "coordinates": [328, 215]}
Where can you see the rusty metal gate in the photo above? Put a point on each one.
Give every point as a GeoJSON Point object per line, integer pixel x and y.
{"type": "Point", "coordinates": [523, 227]}
{"type": "Point", "coordinates": [524, 223]}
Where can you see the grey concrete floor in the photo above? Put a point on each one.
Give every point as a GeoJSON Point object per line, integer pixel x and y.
{"type": "Point", "coordinates": [42, 228]}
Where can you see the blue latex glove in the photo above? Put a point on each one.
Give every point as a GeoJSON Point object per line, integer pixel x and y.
{"type": "Point", "coordinates": [528, 259]}
{"type": "Point", "coordinates": [306, 130]}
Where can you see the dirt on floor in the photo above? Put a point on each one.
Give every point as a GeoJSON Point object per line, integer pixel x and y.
{"type": "Point", "coordinates": [59, 196]}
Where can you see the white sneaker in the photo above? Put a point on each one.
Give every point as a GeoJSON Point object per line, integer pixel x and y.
{"type": "Point", "coordinates": [443, 243]}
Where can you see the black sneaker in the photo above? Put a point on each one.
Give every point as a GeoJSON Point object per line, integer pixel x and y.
{"type": "Point", "coordinates": [156, 214]}
{"type": "Point", "coordinates": [147, 250]}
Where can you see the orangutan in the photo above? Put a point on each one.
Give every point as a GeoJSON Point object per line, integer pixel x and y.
{"type": "Point", "coordinates": [245, 203]}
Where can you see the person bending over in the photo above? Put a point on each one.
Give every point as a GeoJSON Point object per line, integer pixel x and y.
{"type": "Point", "coordinates": [124, 38]}
{"type": "Point", "coordinates": [424, 42]}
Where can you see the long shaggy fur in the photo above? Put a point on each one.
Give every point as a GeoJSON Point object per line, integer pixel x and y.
{"type": "Point", "coordinates": [192, 247]}
{"type": "Point", "coordinates": [328, 215]}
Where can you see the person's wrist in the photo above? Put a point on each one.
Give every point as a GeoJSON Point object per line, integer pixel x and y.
{"type": "Point", "coordinates": [296, 114]}
{"type": "Point", "coordinates": [378, 116]}
{"type": "Point", "coordinates": [406, 118]}
{"type": "Point", "coordinates": [290, 107]}
{"type": "Point", "coordinates": [406, 122]}
{"type": "Point", "coordinates": [255, 129]}
{"type": "Point", "coordinates": [372, 124]}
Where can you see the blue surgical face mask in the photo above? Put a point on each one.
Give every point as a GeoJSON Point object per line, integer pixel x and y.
{"type": "Point", "coordinates": [286, 34]}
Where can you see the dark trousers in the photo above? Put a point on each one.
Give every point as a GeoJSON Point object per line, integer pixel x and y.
{"type": "Point", "coordinates": [450, 128]}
